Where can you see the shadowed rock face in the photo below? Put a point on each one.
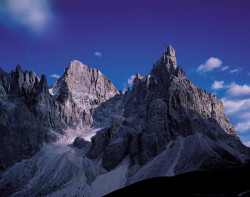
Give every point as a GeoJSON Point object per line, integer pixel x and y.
{"type": "Point", "coordinates": [28, 114]}
{"type": "Point", "coordinates": [79, 91]}
{"type": "Point", "coordinates": [80, 142]}
{"type": "Point", "coordinates": [165, 112]}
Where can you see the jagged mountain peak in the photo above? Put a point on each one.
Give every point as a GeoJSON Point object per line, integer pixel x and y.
{"type": "Point", "coordinates": [43, 85]}
{"type": "Point", "coordinates": [19, 69]}
{"type": "Point", "coordinates": [167, 64]}
{"type": "Point", "coordinates": [80, 90]}
{"type": "Point", "coordinates": [165, 110]}
{"type": "Point", "coordinates": [170, 51]}
{"type": "Point", "coordinates": [78, 74]}
{"type": "Point", "coordinates": [76, 66]}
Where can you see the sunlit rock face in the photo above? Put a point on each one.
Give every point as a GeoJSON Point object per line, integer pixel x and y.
{"type": "Point", "coordinates": [79, 91]}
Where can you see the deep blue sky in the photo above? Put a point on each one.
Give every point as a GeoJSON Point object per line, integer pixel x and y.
{"type": "Point", "coordinates": [131, 35]}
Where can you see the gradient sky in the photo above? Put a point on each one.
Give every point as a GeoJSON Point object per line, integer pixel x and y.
{"type": "Point", "coordinates": [121, 38]}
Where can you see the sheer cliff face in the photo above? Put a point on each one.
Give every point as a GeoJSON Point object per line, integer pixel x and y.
{"type": "Point", "coordinates": [165, 113]}
{"type": "Point", "coordinates": [79, 91]}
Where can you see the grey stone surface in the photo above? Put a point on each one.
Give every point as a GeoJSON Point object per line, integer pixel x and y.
{"type": "Point", "coordinates": [79, 91]}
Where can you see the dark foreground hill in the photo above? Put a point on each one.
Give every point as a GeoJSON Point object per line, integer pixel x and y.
{"type": "Point", "coordinates": [227, 182]}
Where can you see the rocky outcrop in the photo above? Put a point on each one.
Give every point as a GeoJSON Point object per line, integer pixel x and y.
{"type": "Point", "coordinates": [80, 142]}
{"type": "Point", "coordinates": [79, 91]}
{"type": "Point", "coordinates": [163, 108]}
{"type": "Point", "coordinates": [27, 115]}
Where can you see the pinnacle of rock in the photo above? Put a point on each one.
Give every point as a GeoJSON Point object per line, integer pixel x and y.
{"type": "Point", "coordinates": [170, 51]}
{"type": "Point", "coordinates": [43, 85]}
{"type": "Point", "coordinates": [19, 69]}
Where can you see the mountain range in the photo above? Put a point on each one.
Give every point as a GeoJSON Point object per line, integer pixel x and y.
{"type": "Point", "coordinates": [83, 137]}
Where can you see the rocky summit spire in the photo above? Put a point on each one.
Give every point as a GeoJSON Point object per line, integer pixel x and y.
{"type": "Point", "coordinates": [43, 85]}
{"type": "Point", "coordinates": [170, 51]}
{"type": "Point", "coordinates": [166, 65]}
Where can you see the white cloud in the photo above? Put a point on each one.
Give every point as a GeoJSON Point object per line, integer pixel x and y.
{"type": "Point", "coordinates": [55, 76]}
{"type": "Point", "coordinates": [224, 68]}
{"type": "Point", "coordinates": [242, 127]}
{"type": "Point", "coordinates": [34, 15]}
{"type": "Point", "coordinates": [209, 65]}
{"type": "Point", "coordinates": [239, 109]}
{"type": "Point", "coordinates": [247, 143]}
{"type": "Point", "coordinates": [234, 71]}
{"type": "Point", "coordinates": [233, 89]}
{"type": "Point", "coordinates": [131, 79]}
{"type": "Point", "coordinates": [98, 54]}
{"type": "Point", "coordinates": [218, 85]}
{"type": "Point", "coordinates": [130, 83]}
{"type": "Point", "coordinates": [238, 90]}
{"type": "Point", "coordinates": [235, 106]}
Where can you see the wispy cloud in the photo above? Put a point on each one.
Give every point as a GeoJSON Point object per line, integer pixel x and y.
{"type": "Point", "coordinates": [240, 110]}
{"type": "Point", "coordinates": [233, 89]}
{"type": "Point", "coordinates": [209, 65]}
{"type": "Point", "coordinates": [34, 15]}
{"type": "Point", "coordinates": [55, 76]}
{"type": "Point", "coordinates": [234, 71]}
{"type": "Point", "coordinates": [129, 83]}
{"type": "Point", "coordinates": [242, 127]}
{"type": "Point", "coordinates": [234, 106]}
{"type": "Point", "coordinates": [130, 80]}
{"type": "Point", "coordinates": [238, 90]}
{"type": "Point", "coordinates": [225, 68]}
{"type": "Point", "coordinates": [217, 85]}
{"type": "Point", "coordinates": [98, 54]}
